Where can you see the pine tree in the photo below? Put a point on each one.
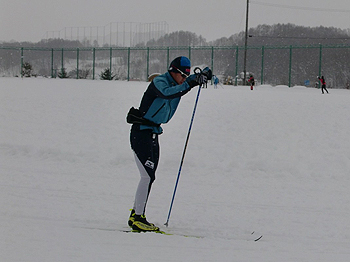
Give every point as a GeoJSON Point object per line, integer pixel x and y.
{"type": "Point", "coordinates": [106, 75]}
{"type": "Point", "coordinates": [27, 70]}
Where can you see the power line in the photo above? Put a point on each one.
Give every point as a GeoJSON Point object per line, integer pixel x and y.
{"type": "Point", "coordinates": [302, 7]}
{"type": "Point", "coordinates": [301, 37]}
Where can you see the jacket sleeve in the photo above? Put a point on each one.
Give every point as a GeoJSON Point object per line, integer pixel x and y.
{"type": "Point", "coordinates": [166, 90]}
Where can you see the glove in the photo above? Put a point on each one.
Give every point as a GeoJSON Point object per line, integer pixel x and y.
{"type": "Point", "coordinates": [206, 71]}
{"type": "Point", "coordinates": [200, 78]}
{"type": "Point", "coordinates": [197, 79]}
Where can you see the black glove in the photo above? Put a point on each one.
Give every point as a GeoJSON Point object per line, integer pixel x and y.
{"type": "Point", "coordinates": [202, 79]}
{"type": "Point", "coordinates": [196, 79]}
{"type": "Point", "coordinates": [199, 78]}
{"type": "Point", "coordinates": [206, 71]}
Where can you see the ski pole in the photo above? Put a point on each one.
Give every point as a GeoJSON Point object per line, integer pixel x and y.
{"type": "Point", "coordinates": [183, 154]}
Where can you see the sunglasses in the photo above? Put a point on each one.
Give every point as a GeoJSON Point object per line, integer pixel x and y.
{"type": "Point", "coordinates": [182, 73]}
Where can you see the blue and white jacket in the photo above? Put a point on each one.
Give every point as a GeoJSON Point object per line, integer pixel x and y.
{"type": "Point", "coordinates": [160, 100]}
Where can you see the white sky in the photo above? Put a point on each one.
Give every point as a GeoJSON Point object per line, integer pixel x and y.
{"type": "Point", "coordinates": [24, 20]}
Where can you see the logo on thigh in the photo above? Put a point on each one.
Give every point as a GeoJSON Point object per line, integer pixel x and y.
{"type": "Point", "coordinates": [149, 164]}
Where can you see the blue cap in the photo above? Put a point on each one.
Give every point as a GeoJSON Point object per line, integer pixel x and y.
{"type": "Point", "coordinates": [180, 64]}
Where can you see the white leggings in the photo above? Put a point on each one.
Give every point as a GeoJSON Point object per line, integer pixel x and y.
{"type": "Point", "coordinates": [143, 188]}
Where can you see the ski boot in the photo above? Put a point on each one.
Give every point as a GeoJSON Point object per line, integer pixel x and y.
{"type": "Point", "coordinates": [141, 224]}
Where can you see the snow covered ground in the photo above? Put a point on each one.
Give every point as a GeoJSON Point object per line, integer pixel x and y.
{"type": "Point", "coordinates": [275, 160]}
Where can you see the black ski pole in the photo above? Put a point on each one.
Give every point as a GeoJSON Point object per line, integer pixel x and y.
{"type": "Point", "coordinates": [184, 151]}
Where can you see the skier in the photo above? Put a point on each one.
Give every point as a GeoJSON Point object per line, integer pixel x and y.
{"type": "Point", "coordinates": [158, 105]}
{"type": "Point", "coordinates": [323, 84]}
{"type": "Point", "coordinates": [251, 81]}
{"type": "Point", "coordinates": [216, 81]}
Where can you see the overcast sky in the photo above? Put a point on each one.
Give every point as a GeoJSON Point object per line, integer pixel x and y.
{"type": "Point", "coordinates": [24, 20]}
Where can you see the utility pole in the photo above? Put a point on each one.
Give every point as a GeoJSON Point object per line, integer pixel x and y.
{"type": "Point", "coordinates": [245, 45]}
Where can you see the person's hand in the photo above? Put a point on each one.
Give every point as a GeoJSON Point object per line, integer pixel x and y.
{"type": "Point", "coordinates": [200, 77]}
{"type": "Point", "coordinates": [197, 79]}
{"type": "Point", "coordinates": [209, 74]}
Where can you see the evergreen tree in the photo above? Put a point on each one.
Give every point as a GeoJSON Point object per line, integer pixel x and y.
{"type": "Point", "coordinates": [106, 75]}
{"type": "Point", "coordinates": [27, 69]}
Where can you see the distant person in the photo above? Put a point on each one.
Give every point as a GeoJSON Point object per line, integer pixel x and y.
{"type": "Point", "coordinates": [251, 81]}
{"type": "Point", "coordinates": [216, 81]}
{"type": "Point", "coordinates": [323, 84]}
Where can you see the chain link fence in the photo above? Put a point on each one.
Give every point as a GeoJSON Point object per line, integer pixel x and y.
{"type": "Point", "coordinates": [276, 65]}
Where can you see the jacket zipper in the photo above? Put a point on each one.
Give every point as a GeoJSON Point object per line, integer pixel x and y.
{"type": "Point", "coordinates": [158, 110]}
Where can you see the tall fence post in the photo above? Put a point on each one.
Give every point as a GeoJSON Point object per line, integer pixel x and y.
{"type": "Point", "coordinates": [128, 64]}
{"type": "Point", "coordinates": [62, 62]}
{"type": "Point", "coordinates": [110, 62]}
{"type": "Point", "coordinates": [22, 57]}
{"type": "Point", "coordinates": [290, 65]}
{"type": "Point", "coordinates": [320, 62]}
{"type": "Point", "coordinates": [167, 57]}
{"type": "Point", "coordinates": [147, 66]}
{"type": "Point", "coordinates": [52, 76]}
{"type": "Point", "coordinates": [236, 72]}
{"type": "Point", "coordinates": [212, 58]}
{"type": "Point", "coordinates": [262, 64]}
{"type": "Point", "coordinates": [93, 62]}
{"type": "Point", "coordinates": [78, 63]}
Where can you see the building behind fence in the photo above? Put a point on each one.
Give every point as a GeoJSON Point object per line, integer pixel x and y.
{"type": "Point", "coordinates": [275, 65]}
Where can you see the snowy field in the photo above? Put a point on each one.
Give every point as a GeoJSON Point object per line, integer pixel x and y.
{"type": "Point", "coordinates": [275, 160]}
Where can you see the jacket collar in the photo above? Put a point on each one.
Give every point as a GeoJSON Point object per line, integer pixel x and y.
{"type": "Point", "coordinates": [170, 79]}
